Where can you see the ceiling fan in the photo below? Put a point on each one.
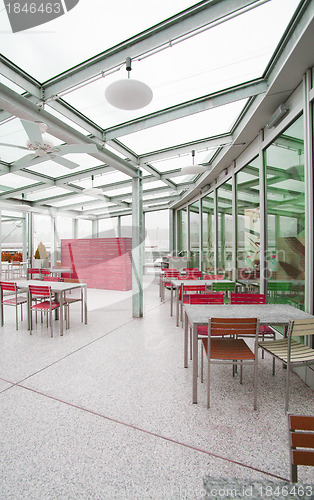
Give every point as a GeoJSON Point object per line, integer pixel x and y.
{"type": "Point", "coordinates": [41, 147]}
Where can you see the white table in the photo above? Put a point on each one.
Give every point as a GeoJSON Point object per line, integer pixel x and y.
{"type": "Point", "coordinates": [59, 288]}
{"type": "Point", "coordinates": [175, 285]}
{"type": "Point", "coordinates": [60, 270]}
{"type": "Point", "coordinates": [268, 314]}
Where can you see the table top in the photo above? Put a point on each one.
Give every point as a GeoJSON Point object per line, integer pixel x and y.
{"type": "Point", "coordinates": [268, 314]}
{"type": "Point", "coordinates": [56, 286]}
{"type": "Point", "coordinates": [177, 283]}
{"type": "Point", "coordinates": [59, 269]}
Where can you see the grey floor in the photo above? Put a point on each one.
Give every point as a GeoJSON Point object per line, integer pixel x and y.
{"type": "Point", "coordinates": [105, 411]}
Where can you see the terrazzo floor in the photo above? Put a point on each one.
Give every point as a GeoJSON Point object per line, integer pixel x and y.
{"type": "Point", "coordinates": [105, 411]}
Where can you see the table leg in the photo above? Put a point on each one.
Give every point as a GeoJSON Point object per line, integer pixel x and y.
{"type": "Point", "coordinates": [186, 340]}
{"type": "Point", "coordinates": [178, 306]}
{"type": "Point", "coordinates": [61, 313]}
{"type": "Point", "coordinates": [85, 304]}
{"type": "Point", "coordinates": [195, 362]}
{"type": "Point", "coordinates": [171, 300]}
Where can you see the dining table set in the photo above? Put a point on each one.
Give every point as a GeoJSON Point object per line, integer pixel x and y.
{"type": "Point", "coordinates": [58, 289]}
{"type": "Point", "coordinates": [276, 318]}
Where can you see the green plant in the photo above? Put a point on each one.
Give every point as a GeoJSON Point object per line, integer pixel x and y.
{"type": "Point", "coordinates": [17, 257]}
{"type": "Point", "coordinates": [6, 256]}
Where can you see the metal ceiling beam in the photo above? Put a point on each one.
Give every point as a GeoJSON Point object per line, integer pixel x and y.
{"type": "Point", "coordinates": [22, 108]}
{"type": "Point", "coordinates": [18, 76]}
{"type": "Point", "coordinates": [184, 149]}
{"type": "Point", "coordinates": [210, 101]}
{"type": "Point", "coordinates": [206, 13]}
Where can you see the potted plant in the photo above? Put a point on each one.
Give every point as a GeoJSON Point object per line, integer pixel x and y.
{"type": "Point", "coordinates": [41, 256]}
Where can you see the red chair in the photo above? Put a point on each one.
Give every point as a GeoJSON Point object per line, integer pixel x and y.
{"type": "Point", "coordinates": [33, 271]}
{"type": "Point", "coordinates": [44, 272]}
{"type": "Point", "coordinates": [254, 298]}
{"type": "Point", "coordinates": [193, 275]}
{"type": "Point", "coordinates": [15, 300]}
{"type": "Point", "coordinates": [185, 293]}
{"type": "Point", "coordinates": [51, 278]}
{"type": "Point", "coordinates": [47, 304]}
{"type": "Point", "coordinates": [206, 298]}
{"type": "Point", "coordinates": [165, 283]}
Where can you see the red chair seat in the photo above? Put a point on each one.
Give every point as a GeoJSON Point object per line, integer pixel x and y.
{"type": "Point", "coordinates": [45, 306]}
{"type": "Point", "coordinates": [19, 300]}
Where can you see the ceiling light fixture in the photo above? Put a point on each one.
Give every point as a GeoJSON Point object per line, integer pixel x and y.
{"type": "Point", "coordinates": [128, 94]}
{"type": "Point", "coordinates": [193, 169]}
{"type": "Point", "coordinates": [92, 191]}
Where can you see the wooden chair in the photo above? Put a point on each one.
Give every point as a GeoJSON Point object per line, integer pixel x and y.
{"type": "Point", "coordinates": [301, 443]}
{"type": "Point", "coordinates": [233, 350]}
{"type": "Point", "coordinates": [292, 352]}
{"type": "Point", "coordinates": [47, 303]}
{"type": "Point", "coordinates": [15, 300]}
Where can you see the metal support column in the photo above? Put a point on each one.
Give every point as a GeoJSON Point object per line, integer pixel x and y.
{"type": "Point", "coordinates": [172, 232]}
{"type": "Point", "coordinates": [309, 192]}
{"type": "Point", "coordinates": [263, 216]}
{"type": "Point", "coordinates": [74, 229]}
{"type": "Point", "coordinates": [24, 238]}
{"type": "Point", "coordinates": [234, 227]}
{"type": "Point", "coordinates": [54, 241]}
{"type": "Point", "coordinates": [95, 228]}
{"type": "Point", "coordinates": [137, 247]}
{"type": "Point", "coordinates": [30, 217]}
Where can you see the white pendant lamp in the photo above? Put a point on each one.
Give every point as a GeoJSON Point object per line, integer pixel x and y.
{"type": "Point", "coordinates": [128, 94]}
{"type": "Point", "coordinates": [193, 169]}
{"type": "Point", "coordinates": [92, 191]}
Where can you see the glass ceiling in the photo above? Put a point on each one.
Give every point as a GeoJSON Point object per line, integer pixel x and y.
{"type": "Point", "coordinates": [195, 64]}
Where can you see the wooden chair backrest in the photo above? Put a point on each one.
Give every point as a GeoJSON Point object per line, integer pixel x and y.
{"type": "Point", "coordinates": [301, 442]}
{"type": "Point", "coordinates": [233, 326]}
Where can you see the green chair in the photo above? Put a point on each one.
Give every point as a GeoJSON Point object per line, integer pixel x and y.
{"type": "Point", "coordinates": [224, 287]}
{"type": "Point", "coordinates": [279, 292]}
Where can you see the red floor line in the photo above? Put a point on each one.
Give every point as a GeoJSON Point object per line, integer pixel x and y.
{"type": "Point", "coordinates": [145, 431]}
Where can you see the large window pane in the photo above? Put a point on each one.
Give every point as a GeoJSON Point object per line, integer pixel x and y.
{"type": "Point", "coordinates": [225, 228]}
{"type": "Point", "coordinates": [194, 234]}
{"type": "Point", "coordinates": [285, 255]}
{"type": "Point", "coordinates": [248, 222]}
{"type": "Point", "coordinates": [208, 257]}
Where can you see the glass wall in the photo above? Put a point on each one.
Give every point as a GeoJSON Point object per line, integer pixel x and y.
{"type": "Point", "coordinates": [248, 222]}
{"type": "Point", "coordinates": [208, 229]}
{"type": "Point", "coordinates": [182, 235]}
{"type": "Point", "coordinates": [285, 242]}
{"type": "Point", "coordinates": [194, 239]}
{"type": "Point", "coordinates": [224, 248]}
{"type": "Point", "coordinates": [157, 235]}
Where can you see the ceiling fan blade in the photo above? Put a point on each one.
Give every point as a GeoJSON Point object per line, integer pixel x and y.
{"type": "Point", "coordinates": [24, 161]}
{"type": "Point", "coordinates": [77, 148]}
{"type": "Point", "coordinates": [13, 146]}
{"type": "Point", "coordinates": [63, 161]}
{"type": "Point", "coordinates": [33, 131]}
